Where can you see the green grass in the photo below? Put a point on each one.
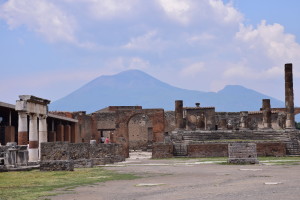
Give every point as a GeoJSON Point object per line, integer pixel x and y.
{"type": "Point", "coordinates": [31, 185]}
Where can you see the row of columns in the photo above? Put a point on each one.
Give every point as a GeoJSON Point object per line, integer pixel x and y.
{"type": "Point", "coordinates": [37, 134]}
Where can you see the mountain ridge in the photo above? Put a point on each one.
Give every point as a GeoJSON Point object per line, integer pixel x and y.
{"type": "Point", "coordinates": [135, 87]}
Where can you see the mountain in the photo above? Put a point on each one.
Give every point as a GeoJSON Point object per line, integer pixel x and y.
{"type": "Point", "coordinates": [134, 87]}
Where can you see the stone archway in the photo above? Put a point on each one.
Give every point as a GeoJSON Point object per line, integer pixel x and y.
{"type": "Point", "coordinates": [140, 132]}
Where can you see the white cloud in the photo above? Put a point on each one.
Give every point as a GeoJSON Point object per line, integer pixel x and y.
{"type": "Point", "coordinates": [125, 63]}
{"type": "Point", "coordinates": [187, 12]}
{"type": "Point", "coordinates": [149, 42]}
{"type": "Point", "coordinates": [42, 17]}
{"type": "Point", "coordinates": [272, 39]}
{"type": "Point", "coordinates": [176, 9]}
{"type": "Point", "coordinates": [193, 69]}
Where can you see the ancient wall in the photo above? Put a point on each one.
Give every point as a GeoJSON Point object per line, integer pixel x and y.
{"type": "Point", "coordinates": [200, 118]}
{"type": "Point", "coordinates": [123, 117]}
{"type": "Point", "coordinates": [83, 154]}
{"type": "Point", "coordinates": [217, 149]}
{"type": "Point", "coordinates": [140, 132]}
{"type": "Point", "coordinates": [162, 150]}
{"type": "Point", "coordinates": [169, 121]}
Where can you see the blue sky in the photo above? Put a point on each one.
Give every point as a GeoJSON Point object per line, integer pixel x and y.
{"type": "Point", "coordinates": [49, 48]}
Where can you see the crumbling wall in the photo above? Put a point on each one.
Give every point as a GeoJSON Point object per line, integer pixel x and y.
{"type": "Point", "coordinates": [82, 154]}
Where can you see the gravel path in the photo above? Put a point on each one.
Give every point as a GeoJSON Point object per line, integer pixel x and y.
{"type": "Point", "coordinates": [189, 180]}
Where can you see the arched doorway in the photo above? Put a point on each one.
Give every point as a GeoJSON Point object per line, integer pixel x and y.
{"type": "Point", "coordinates": [140, 132]}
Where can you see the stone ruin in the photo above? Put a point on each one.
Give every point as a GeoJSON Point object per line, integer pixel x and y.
{"type": "Point", "coordinates": [242, 153]}
{"type": "Point", "coordinates": [187, 131]}
{"type": "Point", "coordinates": [13, 156]}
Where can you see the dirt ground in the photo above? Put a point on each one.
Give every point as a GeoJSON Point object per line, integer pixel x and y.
{"type": "Point", "coordinates": [189, 180]}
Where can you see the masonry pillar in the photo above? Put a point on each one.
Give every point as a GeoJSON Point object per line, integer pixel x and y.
{"type": "Point", "coordinates": [67, 133]}
{"type": "Point", "coordinates": [244, 119]}
{"type": "Point", "coordinates": [289, 96]}
{"type": "Point", "coordinates": [52, 133]}
{"type": "Point", "coordinates": [60, 133]}
{"type": "Point", "coordinates": [179, 114]}
{"type": "Point", "coordinates": [43, 135]}
{"type": "Point", "coordinates": [22, 129]}
{"type": "Point", "coordinates": [266, 109]}
{"type": "Point", "coordinates": [9, 134]}
{"type": "Point", "coordinates": [33, 150]}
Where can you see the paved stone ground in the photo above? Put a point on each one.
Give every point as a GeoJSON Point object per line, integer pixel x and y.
{"type": "Point", "coordinates": [190, 180]}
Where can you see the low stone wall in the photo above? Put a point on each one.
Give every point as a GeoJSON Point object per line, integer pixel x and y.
{"type": "Point", "coordinates": [57, 165]}
{"type": "Point", "coordinates": [162, 150]}
{"type": "Point", "coordinates": [277, 149]}
{"type": "Point", "coordinates": [81, 154]}
{"type": "Point", "coordinates": [194, 150]}
{"type": "Point", "coordinates": [207, 150]}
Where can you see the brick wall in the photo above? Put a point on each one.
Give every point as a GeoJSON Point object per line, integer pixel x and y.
{"type": "Point", "coordinates": [162, 150]}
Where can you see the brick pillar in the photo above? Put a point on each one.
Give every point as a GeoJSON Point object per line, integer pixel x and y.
{"type": "Point", "coordinates": [9, 134]}
{"type": "Point", "coordinates": [43, 134]}
{"type": "Point", "coordinates": [52, 136]}
{"type": "Point", "coordinates": [289, 96]}
{"type": "Point", "coordinates": [60, 133]}
{"type": "Point", "coordinates": [179, 114]}
{"type": "Point", "coordinates": [266, 109]}
{"type": "Point", "coordinates": [33, 150]}
{"type": "Point", "coordinates": [67, 133]}
{"type": "Point", "coordinates": [22, 129]}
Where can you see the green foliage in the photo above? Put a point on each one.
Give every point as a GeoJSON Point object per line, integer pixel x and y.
{"type": "Point", "coordinates": [33, 184]}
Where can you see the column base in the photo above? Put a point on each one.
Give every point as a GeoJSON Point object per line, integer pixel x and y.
{"type": "Point", "coordinates": [33, 155]}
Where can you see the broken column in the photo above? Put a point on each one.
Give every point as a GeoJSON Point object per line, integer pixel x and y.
{"type": "Point", "coordinates": [266, 109]}
{"type": "Point", "coordinates": [22, 129]}
{"type": "Point", "coordinates": [289, 96]}
{"type": "Point", "coordinates": [179, 114]}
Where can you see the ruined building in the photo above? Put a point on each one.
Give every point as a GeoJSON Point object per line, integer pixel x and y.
{"type": "Point", "coordinates": [29, 123]}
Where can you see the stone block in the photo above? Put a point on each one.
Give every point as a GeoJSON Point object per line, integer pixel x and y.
{"type": "Point", "coordinates": [242, 153]}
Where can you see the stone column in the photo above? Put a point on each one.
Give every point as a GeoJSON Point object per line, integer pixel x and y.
{"type": "Point", "coordinates": [244, 119]}
{"type": "Point", "coordinates": [289, 96]}
{"type": "Point", "coordinates": [266, 109]}
{"type": "Point", "coordinates": [43, 135]}
{"type": "Point", "coordinates": [33, 150]}
{"type": "Point", "coordinates": [179, 114]}
{"type": "Point", "coordinates": [67, 133]}
{"type": "Point", "coordinates": [22, 129]}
